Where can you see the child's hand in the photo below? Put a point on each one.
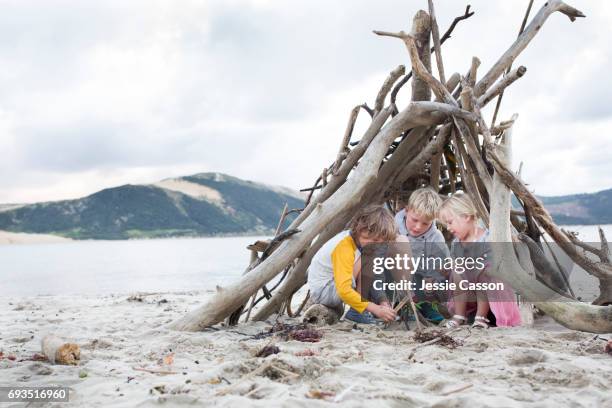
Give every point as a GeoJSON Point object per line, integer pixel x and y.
{"type": "Point", "coordinates": [385, 313]}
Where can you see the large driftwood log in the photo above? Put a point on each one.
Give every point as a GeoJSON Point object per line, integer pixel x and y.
{"type": "Point", "coordinates": [298, 275]}
{"type": "Point", "coordinates": [506, 266]}
{"type": "Point", "coordinates": [59, 351]}
{"type": "Point", "coordinates": [227, 300]}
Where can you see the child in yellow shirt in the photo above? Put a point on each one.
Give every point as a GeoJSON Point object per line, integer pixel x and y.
{"type": "Point", "coordinates": [334, 271]}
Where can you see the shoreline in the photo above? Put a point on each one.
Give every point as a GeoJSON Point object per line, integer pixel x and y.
{"type": "Point", "coordinates": [25, 238]}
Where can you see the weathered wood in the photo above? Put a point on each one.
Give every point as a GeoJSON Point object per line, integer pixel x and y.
{"type": "Point", "coordinates": [347, 165]}
{"type": "Point", "coordinates": [386, 88]}
{"type": "Point", "coordinates": [298, 274]}
{"type": "Point", "coordinates": [467, 14]}
{"type": "Point", "coordinates": [391, 158]}
{"type": "Point", "coordinates": [344, 150]}
{"type": "Point", "coordinates": [523, 40]}
{"type": "Point", "coordinates": [501, 85]}
{"type": "Point", "coordinates": [421, 29]}
{"type": "Point", "coordinates": [573, 315]}
{"type": "Point", "coordinates": [227, 300]}
{"type": "Point", "coordinates": [435, 35]}
{"type": "Point", "coordinates": [60, 351]}
{"type": "Point", "coordinates": [321, 315]}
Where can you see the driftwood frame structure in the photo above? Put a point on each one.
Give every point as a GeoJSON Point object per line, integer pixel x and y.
{"type": "Point", "coordinates": [444, 143]}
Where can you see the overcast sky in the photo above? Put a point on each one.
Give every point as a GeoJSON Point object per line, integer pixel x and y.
{"type": "Point", "coordinates": [95, 94]}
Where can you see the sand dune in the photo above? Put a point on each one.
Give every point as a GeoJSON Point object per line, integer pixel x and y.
{"type": "Point", "coordinates": [541, 366]}
{"type": "Point", "coordinates": [191, 189]}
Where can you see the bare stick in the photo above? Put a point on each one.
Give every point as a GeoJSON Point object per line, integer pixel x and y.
{"type": "Point", "coordinates": [366, 108]}
{"type": "Point", "coordinates": [435, 34]}
{"type": "Point", "coordinates": [154, 371]}
{"type": "Point", "coordinates": [501, 95]}
{"type": "Point", "coordinates": [559, 266]}
{"type": "Point", "coordinates": [469, 182]}
{"type": "Point", "coordinates": [456, 390]}
{"type": "Point", "coordinates": [456, 21]}
{"type": "Point", "coordinates": [386, 88]}
{"type": "Point", "coordinates": [416, 314]}
{"type": "Point", "coordinates": [473, 71]}
{"type": "Point", "coordinates": [281, 220]}
{"type": "Point", "coordinates": [523, 40]}
{"type": "Point", "coordinates": [343, 151]}
{"type": "Point", "coordinates": [501, 85]}
{"type": "Point", "coordinates": [347, 166]}
{"type": "Point", "coordinates": [602, 253]}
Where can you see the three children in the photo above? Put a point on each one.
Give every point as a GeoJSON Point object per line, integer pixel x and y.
{"type": "Point", "coordinates": [334, 273]}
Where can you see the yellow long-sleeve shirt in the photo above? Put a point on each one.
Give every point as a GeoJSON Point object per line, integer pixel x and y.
{"type": "Point", "coordinates": [343, 261]}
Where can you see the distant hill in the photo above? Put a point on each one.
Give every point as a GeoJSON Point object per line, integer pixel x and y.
{"type": "Point", "coordinates": [209, 204]}
{"type": "Point", "coordinates": [203, 204]}
{"type": "Point", "coordinates": [587, 209]}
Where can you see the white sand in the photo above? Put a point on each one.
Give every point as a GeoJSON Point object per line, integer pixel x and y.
{"type": "Point", "coordinates": [195, 190]}
{"type": "Point", "coordinates": [23, 238]}
{"type": "Point", "coordinates": [545, 366]}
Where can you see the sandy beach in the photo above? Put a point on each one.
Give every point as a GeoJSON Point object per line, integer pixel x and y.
{"type": "Point", "coordinates": [7, 237]}
{"type": "Point", "coordinates": [121, 335]}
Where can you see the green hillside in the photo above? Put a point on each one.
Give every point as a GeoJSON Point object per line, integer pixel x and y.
{"type": "Point", "coordinates": [585, 209]}
{"type": "Point", "coordinates": [139, 211]}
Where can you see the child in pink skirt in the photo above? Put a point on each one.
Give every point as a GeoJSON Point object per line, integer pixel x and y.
{"type": "Point", "coordinates": [458, 213]}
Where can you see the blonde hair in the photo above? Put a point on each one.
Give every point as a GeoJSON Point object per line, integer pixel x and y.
{"type": "Point", "coordinates": [425, 202]}
{"type": "Point", "coordinates": [376, 221]}
{"type": "Point", "coordinates": [459, 204]}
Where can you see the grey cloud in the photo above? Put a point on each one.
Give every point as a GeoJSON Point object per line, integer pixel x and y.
{"type": "Point", "coordinates": [240, 72]}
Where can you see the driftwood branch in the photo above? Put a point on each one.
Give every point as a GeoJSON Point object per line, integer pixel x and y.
{"type": "Point", "coordinates": [523, 40]}
{"type": "Point", "coordinates": [501, 85]}
{"type": "Point", "coordinates": [344, 150]}
{"type": "Point", "coordinates": [574, 315]}
{"type": "Point", "coordinates": [221, 304]}
{"type": "Point", "coordinates": [435, 35]}
{"type": "Point", "coordinates": [467, 14]}
{"type": "Point", "coordinates": [386, 88]}
{"type": "Point", "coordinates": [456, 21]}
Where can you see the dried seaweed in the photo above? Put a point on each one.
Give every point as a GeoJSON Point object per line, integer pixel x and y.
{"type": "Point", "coordinates": [267, 350]}
{"type": "Point", "coordinates": [306, 335]}
{"type": "Point", "coordinates": [444, 339]}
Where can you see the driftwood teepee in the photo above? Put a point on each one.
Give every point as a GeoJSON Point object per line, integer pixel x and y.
{"type": "Point", "coordinates": [444, 143]}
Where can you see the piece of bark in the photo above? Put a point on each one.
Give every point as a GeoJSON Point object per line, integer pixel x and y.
{"type": "Point", "coordinates": [320, 315]}
{"type": "Point", "coordinates": [59, 351]}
